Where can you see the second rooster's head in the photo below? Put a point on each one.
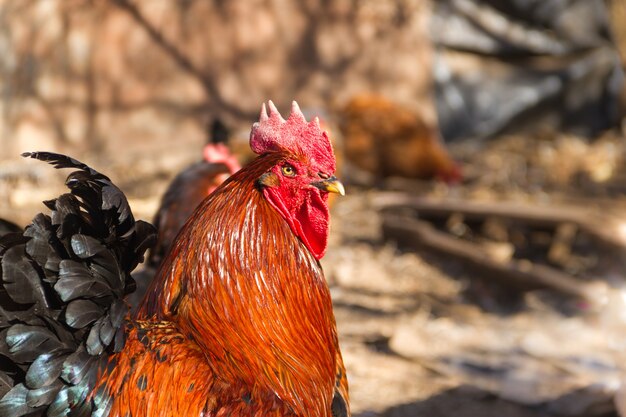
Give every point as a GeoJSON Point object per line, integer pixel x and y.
{"type": "Point", "coordinates": [298, 185]}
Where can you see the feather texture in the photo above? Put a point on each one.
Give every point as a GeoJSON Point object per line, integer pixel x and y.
{"type": "Point", "coordinates": [61, 294]}
{"type": "Point", "coordinates": [180, 200]}
{"type": "Point", "coordinates": [237, 322]}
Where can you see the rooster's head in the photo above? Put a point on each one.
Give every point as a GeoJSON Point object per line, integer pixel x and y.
{"type": "Point", "coordinates": [298, 185]}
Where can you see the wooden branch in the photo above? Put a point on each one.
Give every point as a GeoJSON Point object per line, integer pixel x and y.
{"type": "Point", "coordinates": [522, 274]}
{"type": "Point", "coordinates": [600, 229]}
{"type": "Point", "coordinates": [55, 120]}
{"type": "Point", "coordinates": [184, 62]}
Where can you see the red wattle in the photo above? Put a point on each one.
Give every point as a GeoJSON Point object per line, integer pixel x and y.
{"type": "Point", "coordinates": [309, 221]}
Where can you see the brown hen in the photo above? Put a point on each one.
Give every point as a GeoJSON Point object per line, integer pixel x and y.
{"type": "Point", "coordinates": [386, 139]}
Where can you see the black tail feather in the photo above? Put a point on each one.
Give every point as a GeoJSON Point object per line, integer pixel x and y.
{"type": "Point", "coordinates": [62, 161]}
{"type": "Point", "coordinates": [62, 288]}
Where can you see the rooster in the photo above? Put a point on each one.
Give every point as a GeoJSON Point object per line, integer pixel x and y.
{"type": "Point", "coordinates": [189, 188]}
{"type": "Point", "coordinates": [237, 322]}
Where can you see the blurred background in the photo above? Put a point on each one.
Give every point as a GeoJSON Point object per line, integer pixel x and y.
{"type": "Point", "coordinates": [477, 263]}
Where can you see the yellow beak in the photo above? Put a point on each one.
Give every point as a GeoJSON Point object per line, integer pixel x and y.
{"type": "Point", "coordinates": [331, 185]}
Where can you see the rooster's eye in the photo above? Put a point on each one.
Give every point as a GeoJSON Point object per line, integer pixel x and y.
{"type": "Point", "coordinates": [288, 171]}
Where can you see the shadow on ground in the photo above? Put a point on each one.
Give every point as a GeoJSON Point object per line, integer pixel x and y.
{"type": "Point", "coordinates": [467, 401]}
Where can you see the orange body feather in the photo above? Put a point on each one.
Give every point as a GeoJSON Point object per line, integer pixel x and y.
{"type": "Point", "coordinates": [231, 326]}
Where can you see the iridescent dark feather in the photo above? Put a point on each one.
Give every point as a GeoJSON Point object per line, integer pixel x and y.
{"type": "Point", "coordinates": [63, 281]}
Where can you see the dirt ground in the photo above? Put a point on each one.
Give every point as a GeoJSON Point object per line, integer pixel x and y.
{"type": "Point", "coordinates": [421, 334]}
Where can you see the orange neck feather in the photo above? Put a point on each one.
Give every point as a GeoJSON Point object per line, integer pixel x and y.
{"type": "Point", "coordinates": [244, 288]}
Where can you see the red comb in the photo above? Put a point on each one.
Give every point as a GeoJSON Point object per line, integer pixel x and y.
{"type": "Point", "coordinates": [218, 153]}
{"type": "Point", "coordinates": [272, 133]}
